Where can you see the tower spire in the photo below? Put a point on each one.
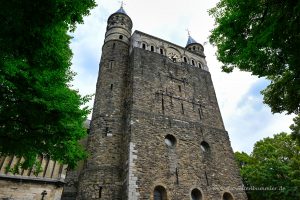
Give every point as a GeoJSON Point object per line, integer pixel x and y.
{"type": "Point", "coordinates": [121, 10]}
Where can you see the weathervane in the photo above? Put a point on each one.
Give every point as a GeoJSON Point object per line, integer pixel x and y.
{"type": "Point", "coordinates": [122, 3]}
{"type": "Point", "coordinates": [188, 31]}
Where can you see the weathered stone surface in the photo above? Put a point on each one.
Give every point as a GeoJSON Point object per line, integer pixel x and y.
{"type": "Point", "coordinates": [18, 190]}
{"type": "Point", "coordinates": [145, 92]}
{"type": "Point", "coordinates": [26, 185]}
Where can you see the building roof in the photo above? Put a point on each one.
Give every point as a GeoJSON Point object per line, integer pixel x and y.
{"type": "Point", "coordinates": [121, 10]}
{"type": "Point", "coordinates": [191, 41]}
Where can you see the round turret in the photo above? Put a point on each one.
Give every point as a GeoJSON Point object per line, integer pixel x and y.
{"type": "Point", "coordinates": [194, 46]}
{"type": "Point", "coordinates": [119, 27]}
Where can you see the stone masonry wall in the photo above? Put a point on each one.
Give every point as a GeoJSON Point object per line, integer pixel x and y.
{"type": "Point", "coordinates": [12, 190]}
{"type": "Point", "coordinates": [102, 176]}
{"type": "Point", "coordinates": [176, 99]}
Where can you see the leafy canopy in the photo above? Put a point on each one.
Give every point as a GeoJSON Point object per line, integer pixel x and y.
{"type": "Point", "coordinates": [262, 37]}
{"type": "Point", "coordinates": [274, 163]}
{"type": "Point", "coordinates": [39, 113]}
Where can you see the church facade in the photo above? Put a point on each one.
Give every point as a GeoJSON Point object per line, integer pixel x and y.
{"type": "Point", "coordinates": [156, 131]}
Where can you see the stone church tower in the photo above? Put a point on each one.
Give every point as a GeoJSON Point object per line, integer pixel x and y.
{"type": "Point", "coordinates": [156, 132]}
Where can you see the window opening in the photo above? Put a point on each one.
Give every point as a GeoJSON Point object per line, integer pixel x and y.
{"type": "Point", "coordinates": [193, 62]}
{"type": "Point", "coordinates": [120, 37]}
{"type": "Point", "coordinates": [162, 104]}
{"type": "Point", "coordinates": [204, 146]}
{"type": "Point", "coordinates": [100, 191]}
{"type": "Point", "coordinates": [114, 45]}
{"type": "Point", "coordinates": [182, 109]}
{"type": "Point", "coordinates": [144, 46]}
{"type": "Point", "coordinates": [161, 51]}
{"type": "Point", "coordinates": [111, 86]}
{"type": "Point", "coordinates": [160, 193]}
{"type": "Point", "coordinates": [184, 59]}
{"type": "Point", "coordinates": [227, 196]}
{"type": "Point", "coordinates": [110, 64]}
{"type": "Point", "coordinates": [194, 48]}
{"type": "Point", "coordinates": [179, 88]}
{"type": "Point", "coordinates": [196, 194]}
{"type": "Point", "coordinates": [199, 65]}
{"type": "Point", "coordinates": [177, 178]}
{"type": "Point", "coordinates": [152, 48]}
{"type": "Point", "coordinates": [170, 140]}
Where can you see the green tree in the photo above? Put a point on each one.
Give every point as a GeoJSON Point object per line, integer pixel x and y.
{"type": "Point", "coordinates": [39, 113]}
{"type": "Point", "coordinates": [262, 37]}
{"type": "Point", "coordinates": [274, 162]}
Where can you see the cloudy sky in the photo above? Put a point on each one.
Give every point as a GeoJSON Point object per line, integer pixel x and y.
{"type": "Point", "coordinates": [246, 118]}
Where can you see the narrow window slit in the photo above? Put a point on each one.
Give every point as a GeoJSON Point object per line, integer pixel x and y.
{"type": "Point", "coordinates": [111, 87]}
{"type": "Point", "coordinates": [182, 109]}
{"type": "Point", "coordinates": [177, 179]}
{"type": "Point", "coordinates": [206, 178]}
{"type": "Point", "coordinates": [100, 191]}
{"type": "Point", "coordinates": [162, 103]}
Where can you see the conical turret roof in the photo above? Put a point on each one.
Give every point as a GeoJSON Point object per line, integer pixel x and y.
{"type": "Point", "coordinates": [191, 41]}
{"type": "Point", "coordinates": [121, 10]}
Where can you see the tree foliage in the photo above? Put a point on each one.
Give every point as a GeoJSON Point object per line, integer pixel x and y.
{"type": "Point", "coordinates": [262, 37]}
{"type": "Point", "coordinates": [275, 165]}
{"type": "Point", "coordinates": [39, 113]}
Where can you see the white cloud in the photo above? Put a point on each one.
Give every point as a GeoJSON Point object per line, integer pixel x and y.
{"type": "Point", "coordinates": [169, 19]}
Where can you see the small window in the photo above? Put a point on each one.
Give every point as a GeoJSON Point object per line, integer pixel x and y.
{"type": "Point", "coordinates": [120, 37]}
{"type": "Point", "coordinates": [100, 191]}
{"type": "Point", "coordinates": [114, 45]}
{"type": "Point", "coordinates": [196, 194]}
{"type": "Point", "coordinates": [111, 64]}
{"type": "Point", "coordinates": [170, 140]}
{"type": "Point", "coordinates": [161, 51]}
{"type": "Point", "coordinates": [190, 49]}
{"type": "Point", "coordinates": [193, 62]}
{"type": "Point", "coordinates": [227, 196]}
{"type": "Point", "coordinates": [199, 65]}
{"type": "Point", "coordinates": [204, 146]}
{"type": "Point", "coordinates": [144, 46]}
{"type": "Point", "coordinates": [111, 86]}
{"type": "Point", "coordinates": [184, 59]}
{"type": "Point", "coordinates": [194, 48]}
{"type": "Point", "coordinates": [152, 48]}
{"type": "Point", "coordinates": [159, 193]}
{"type": "Point", "coordinates": [179, 88]}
